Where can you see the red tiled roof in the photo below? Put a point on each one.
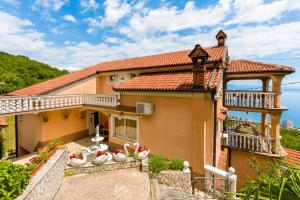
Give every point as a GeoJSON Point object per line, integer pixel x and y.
{"type": "Point", "coordinates": [2, 122]}
{"type": "Point", "coordinates": [160, 60]}
{"type": "Point", "coordinates": [247, 66]}
{"type": "Point", "coordinates": [172, 59]}
{"type": "Point", "coordinates": [168, 81]}
{"type": "Point", "coordinates": [293, 156]}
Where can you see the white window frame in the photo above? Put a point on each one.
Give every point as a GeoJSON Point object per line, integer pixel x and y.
{"type": "Point", "coordinates": [112, 122]}
{"type": "Point", "coordinates": [109, 81]}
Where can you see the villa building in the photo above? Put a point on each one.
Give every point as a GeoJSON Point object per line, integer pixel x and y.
{"type": "Point", "coordinates": [175, 103]}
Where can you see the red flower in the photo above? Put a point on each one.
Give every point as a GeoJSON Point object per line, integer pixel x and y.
{"type": "Point", "coordinates": [80, 156]}
{"type": "Point", "coordinates": [77, 155]}
{"type": "Point", "coordinates": [100, 153]}
{"type": "Point", "coordinates": [34, 159]}
{"type": "Point", "coordinates": [119, 151]}
{"type": "Point", "coordinates": [142, 148]}
{"type": "Point", "coordinates": [72, 156]}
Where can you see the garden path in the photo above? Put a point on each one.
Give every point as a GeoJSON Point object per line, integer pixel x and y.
{"type": "Point", "coordinates": [125, 184]}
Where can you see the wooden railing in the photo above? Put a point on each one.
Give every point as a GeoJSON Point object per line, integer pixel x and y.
{"type": "Point", "coordinates": [248, 142]}
{"type": "Point", "coordinates": [249, 99]}
{"type": "Point", "coordinates": [10, 105]}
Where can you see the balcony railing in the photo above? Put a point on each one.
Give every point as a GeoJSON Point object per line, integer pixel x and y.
{"type": "Point", "coordinates": [11, 105]}
{"type": "Point", "coordinates": [248, 142]}
{"type": "Point", "coordinates": [249, 99]}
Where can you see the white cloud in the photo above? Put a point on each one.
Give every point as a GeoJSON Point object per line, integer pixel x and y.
{"type": "Point", "coordinates": [170, 18]}
{"type": "Point", "coordinates": [114, 11]}
{"type": "Point", "coordinates": [11, 24]}
{"type": "Point", "coordinates": [69, 18]}
{"type": "Point", "coordinates": [249, 11]}
{"type": "Point", "coordinates": [21, 37]}
{"type": "Point", "coordinates": [264, 40]}
{"type": "Point", "coordinates": [51, 4]}
{"type": "Point", "coordinates": [88, 5]}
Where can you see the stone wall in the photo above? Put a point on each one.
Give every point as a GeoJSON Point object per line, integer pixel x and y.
{"type": "Point", "coordinates": [45, 183]}
{"type": "Point", "coordinates": [176, 179]}
{"type": "Point", "coordinates": [110, 165]}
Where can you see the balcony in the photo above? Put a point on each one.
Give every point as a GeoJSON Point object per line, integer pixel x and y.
{"type": "Point", "coordinates": [246, 136]}
{"type": "Point", "coordinates": [248, 142]}
{"type": "Point", "coordinates": [16, 105]}
{"type": "Point", "coordinates": [249, 99]}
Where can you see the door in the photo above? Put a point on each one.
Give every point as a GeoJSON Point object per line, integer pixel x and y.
{"type": "Point", "coordinates": [91, 122]}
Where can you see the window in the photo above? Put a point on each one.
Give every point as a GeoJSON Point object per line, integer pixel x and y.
{"type": "Point", "coordinates": [111, 79]}
{"type": "Point", "coordinates": [125, 128]}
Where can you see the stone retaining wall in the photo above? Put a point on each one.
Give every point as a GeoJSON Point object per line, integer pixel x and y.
{"type": "Point", "coordinates": [45, 183]}
{"type": "Point", "coordinates": [176, 179]}
{"type": "Point", "coordinates": [109, 166]}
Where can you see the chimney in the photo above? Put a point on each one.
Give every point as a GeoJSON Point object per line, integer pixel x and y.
{"type": "Point", "coordinates": [221, 37]}
{"type": "Point", "coordinates": [199, 58]}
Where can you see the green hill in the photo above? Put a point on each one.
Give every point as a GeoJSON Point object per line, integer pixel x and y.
{"type": "Point", "coordinates": [19, 71]}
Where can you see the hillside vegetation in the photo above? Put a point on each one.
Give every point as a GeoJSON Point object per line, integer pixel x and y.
{"type": "Point", "coordinates": [19, 71]}
{"type": "Point", "coordinates": [290, 138]}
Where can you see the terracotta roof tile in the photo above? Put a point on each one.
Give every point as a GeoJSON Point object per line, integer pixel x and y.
{"type": "Point", "coordinates": [152, 61]}
{"type": "Point", "coordinates": [182, 80]}
{"type": "Point", "coordinates": [293, 156]}
{"type": "Point", "coordinates": [247, 66]}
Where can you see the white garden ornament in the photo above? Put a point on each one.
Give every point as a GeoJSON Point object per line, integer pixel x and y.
{"type": "Point", "coordinates": [140, 154]}
{"type": "Point", "coordinates": [120, 156]}
{"type": "Point", "coordinates": [77, 162]}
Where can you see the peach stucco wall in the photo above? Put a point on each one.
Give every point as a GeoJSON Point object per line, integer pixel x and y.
{"type": "Point", "coordinates": [103, 87]}
{"type": "Point", "coordinates": [240, 161]}
{"type": "Point", "coordinates": [41, 128]}
{"type": "Point", "coordinates": [86, 87]}
{"type": "Point", "coordinates": [180, 127]}
{"type": "Point", "coordinates": [96, 85]}
{"type": "Point", "coordinates": [29, 131]}
{"type": "Point", "coordinates": [59, 125]}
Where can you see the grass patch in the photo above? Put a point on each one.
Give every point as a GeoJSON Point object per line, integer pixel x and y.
{"type": "Point", "coordinates": [9, 137]}
{"type": "Point", "coordinates": [176, 164]}
{"type": "Point", "coordinates": [157, 164]}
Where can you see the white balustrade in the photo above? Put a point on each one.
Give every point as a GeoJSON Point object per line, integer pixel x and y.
{"type": "Point", "coordinates": [248, 142]}
{"type": "Point", "coordinates": [215, 178]}
{"type": "Point", "coordinates": [249, 99]}
{"type": "Point", "coordinates": [11, 105]}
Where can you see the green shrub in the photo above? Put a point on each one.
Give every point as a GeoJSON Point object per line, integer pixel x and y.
{"type": "Point", "coordinates": [274, 181]}
{"type": "Point", "coordinates": [157, 164]}
{"type": "Point", "coordinates": [55, 143]}
{"type": "Point", "coordinates": [42, 156]}
{"type": "Point", "coordinates": [13, 179]}
{"type": "Point", "coordinates": [30, 167]}
{"type": "Point", "coordinates": [176, 164]}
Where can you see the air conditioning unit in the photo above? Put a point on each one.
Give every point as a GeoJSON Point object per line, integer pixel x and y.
{"type": "Point", "coordinates": [144, 108]}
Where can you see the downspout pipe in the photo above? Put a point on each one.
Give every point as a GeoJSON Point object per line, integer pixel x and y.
{"type": "Point", "coordinates": [215, 130]}
{"type": "Point", "coordinates": [216, 96]}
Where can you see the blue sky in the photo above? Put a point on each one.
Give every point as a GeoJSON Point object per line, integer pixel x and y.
{"type": "Point", "coordinates": [74, 34]}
